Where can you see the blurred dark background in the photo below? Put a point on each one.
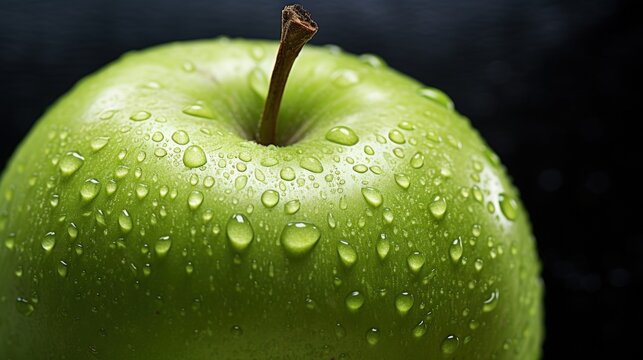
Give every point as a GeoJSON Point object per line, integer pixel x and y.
{"type": "Point", "coordinates": [552, 85]}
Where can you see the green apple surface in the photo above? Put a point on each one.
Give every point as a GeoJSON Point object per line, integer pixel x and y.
{"type": "Point", "coordinates": [140, 220]}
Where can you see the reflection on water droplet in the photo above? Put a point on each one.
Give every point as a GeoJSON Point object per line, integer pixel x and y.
{"type": "Point", "coordinates": [508, 206]}
{"type": "Point", "coordinates": [287, 173]}
{"type": "Point", "coordinates": [90, 189]}
{"type": "Point", "coordinates": [270, 198]}
{"type": "Point", "coordinates": [491, 302]}
{"type": "Point", "coordinates": [299, 238]}
{"type": "Point", "coordinates": [404, 302]}
{"type": "Point", "coordinates": [403, 181]}
{"type": "Point", "coordinates": [396, 136]}
{"type": "Point", "coordinates": [417, 161]}
{"type": "Point", "coordinates": [240, 232]}
{"type": "Point", "coordinates": [311, 164]}
{"type": "Point", "coordinates": [180, 137]}
{"type": "Point", "coordinates": [70, 163]}
{"type": "Point", "coordinates": [354, 301]}
{"type": "Point", "coordinates": [125, 221]}
{"type": "Point", "coordinates": [419, 330]}
{"type": "Point", "coordinates": [456, 250]}
{"type": "Point", "coordinates": [415, 261]}
{"type": "Point", "coordinates": [373, 336]}
{"type": "Point", "coordinates": [194, 156]}
{"type": "Point", "coordinates": [438, 207]}
{"type": "Point", "coordinates": [99, 143]}
{"type": "Point", "coordinates": [372, 196]}
{"type": "Point", "coordinates": [292, 207]}
{"type": "Point", "coordinates": [450, 344]}
{"type": "Point", "coordinates": [199, 110]}
{"type": "Point", "coordinates": [383, 246]}
{"type": "Point", "coordinates": [140, 116]}
{"type": "Point", "coordinates": [49, 241]}
{"type": "Point", "coordinates": [342, 135]}
{"type": "Point", "coordinates": [163, 245]}
{"type": "Point", "coordinates": [195, 199]}
{"type": "Point", "coordinates": [438, 96]}
{"type": "Point", "coordinates": [61, 268]}
{"type": "Point", "coordinates": [347, 253]}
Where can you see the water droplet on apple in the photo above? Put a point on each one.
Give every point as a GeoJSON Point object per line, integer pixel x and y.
{"type": "Point", "coordinates": [311, 164]}
{"type": "Point", "coordinates": [368, 150]}
{"type": "Point", "coordinates": [162, 245]}
{"type": "Point", "coordinates": [141, 191]}
{"type": "Point", "coordinates": [180, 137]}
{"type": "Point", "coordinates": [195, 199]}
{"type": "Point", "coordinates": [340, 331]}
{"type": "Point", "coordinates": [270, 198]}
{"type": "Point", "coordinates": [299, 238]}
{"type": "Point", "coordinates": [417, 161]}
{"type": "Point", "coordinates": [450, 344]}
{"type": "Point", "coordinates": [478, 264]}
{"type": "Point", "coordinates": [240, 182]}
{"type": "Point", "coordinates": [160, 152]}
{"type": "Point", "coordinates": [157, 136]}
{"type": "Point", "coordinates": [508, 206]}
{"type": "Point", "coordinates": [342, 135]}
{"type": "Point", "coordinates": [98, 143]}
{"type": "Point", "coordinates": [438, 207]}
{"type": "Point", "coordinates": [360, 168]}
{"type": "Point", "coordinates": [292, 207]}
{"type": "Point", "coordinates": [54, 200]}
{"type": "Point", "coordinates": [345, 78]}
{"type": "Point", "coordinates": [372, 196]}
{"type": "Point", "coordinates": [70, 163]}
{"type": "Point", "coordinates": [198, 110]}
{"type": "Point", "coordinates": [438, 96]}
{"type": "Point", "coordinates": [140, 116]}
{"type": "Point", "coordinates": [269, 161]}
{"type": "Point", "coordinates": [456, 250]}
{"type": "Point", "coordinates": [236, 330]}
{"type": "Point", "coordinates": [259, 82]}
{"type": "Point", "coordinates": [491, 302]}
{"type": "Point", "coordinates": [61, 268]}
{"type": "Point", "coordinates": [404, 302]}
{"type": "Point", "coordinates": [287, 173]}
{"type": "Point", "coordinates": [188, 66]}
{"type": "Point", "coordinates": [387, 215]}
{"type": "Point", "coordinates": [240, 232]}
{"type": "Point", "coordinates": [354, 301]}
{"type": "Point", "coordinates": [194, 157]}
{"type": "Point", "coordinates": [189, 268]}
{"type": "Point", "coordinates": [396, 136]}
{"type": "Point", "coordinates": [49, 241]}
{"type": "Point", "coordinates": [419, 330]}
{"type": "Point", "coordinates": [402, 181]}
{"type": "Point", "coordinates": [125, 221]}
{"type": "Point", "coordinates": [383, 246]}
{"type": "Point", "coordinates": [24, 306]}
{"type": "Point", "coordinates": [90, 189]}
{"type": "Point", "coordinates": [372, 60]}
{"type": "Point", "coordinates": [347, 253]}
{"type": "Point", "coordinates": [373, 336]}
{"type": "Point", "coordinates": [415, 261]}
{"type": "Point", "coordinates": [107, 114]}
{"type": "Point", "coordinates": [330, 219]}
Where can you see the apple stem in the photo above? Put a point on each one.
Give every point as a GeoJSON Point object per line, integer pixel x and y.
{"type": "Point", "coordinates": [297, 28]}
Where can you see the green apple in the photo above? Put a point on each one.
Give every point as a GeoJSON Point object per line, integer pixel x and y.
{"type": "Point", "coordinates": [140, 219]}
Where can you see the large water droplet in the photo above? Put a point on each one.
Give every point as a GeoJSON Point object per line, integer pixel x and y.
{"type": "Point", "coordinates": [90, 189]}
{"type": "Point", "coordinates": [311, 164]}
{"type": "Point", "coordinates": [240, 232]}
{"type": "Point", "coordinates": [450, 344]}
{"type": "Point", "coordinates": [299, 238]}
{"type": "Point", "coordinates": [270, 198]}
{"type": "Point", "coordinates": [417, 161]}
{"type": "Point", "coordinates": [404, 302]}
{"type": "Point", "coordinates": [415, 261]}
{"type": "Point", "coordinates": [438, 96]}
{"type": "Point", "coordinates": [163, 245]}
{"type": "Point", "coordinates": [508, 206]}
{"type": "Point", "coordinates": [70, 163]}
{"type": "Point", "coordinates": [354, 301]}
{"type": "Point", "coordinates": [49, 241]}
{"type": "Point", "coordinates": [180, 137]}
{"type": "Point", "coordinates": [347, 253]}
{"type": "Point", "coordinates": [194, 157]}
{"type": "Point", "coordinates": [396, 136]}
{"type": "Point", "coordinates": [292, 207]}
{"type": "Point", "coordinates": [99, 143]}
{"type": "Point", "coordinates": [342, 135]}
{"type": "Point", "coordinates": [403, 181]}
{"type": "Point", "coordinates": [456, 250]}
{"type": "Point", "coordinates": [438, 207]}
{"type": "Point", "coordinates": [372, 196]}
{"type": "Point", "coordinates": [195, 199]}
{"type": "Point", "coordinates": [125, 221]}
{"type": "Point", "coordinates": [240, 182]}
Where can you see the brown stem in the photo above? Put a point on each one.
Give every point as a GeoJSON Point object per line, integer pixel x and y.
{"type": "Point", "coordinates": [297, 28]}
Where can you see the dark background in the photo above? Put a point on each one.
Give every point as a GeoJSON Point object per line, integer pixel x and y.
{"type": "Point", "coordinates": [551, 85]}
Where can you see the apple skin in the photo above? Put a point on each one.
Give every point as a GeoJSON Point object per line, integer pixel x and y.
{"type": "Point", "coordinates": [92, 277]}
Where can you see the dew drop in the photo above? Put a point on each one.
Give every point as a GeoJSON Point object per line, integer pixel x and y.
{"type": "Point", "coordinates": [354, 301]}
{"type": "Point", "coordinates": [347, 253]}
{"type": "Point", "coordinates": [240, 232]}
{"type": "Point", "coordinates": [195, 199]}
{"type": "Point", "coordinates": [360, 168]}
{"type": "Point", "coordinates": [194, 157]}
{"type": "Point", "coordinates": [180, 137]}
{"type": "Point", "coordinates": [98, 143]}
{"type": "Point", "coordinates": [438, 96]}
{"type": "Point", "coordinates": [415, 261]}
{"type": "Point", "coordinates": [342, 135]}
{"type": "Point", "coordinates": [287, 173]}
{"type": "Point", "coordinates": [368, 150]}
{"type": "Point", "coordinates": [299, 238]}
{"type": "Point", "coordinates": [383, 246]}
{"type": "Point", "coordinates": [491, 302]}
{"type": "Point", "coordinates": [438, 207]}
{"type": "Point", "coordinates": [198, 110]}
{"type": "Point", "coordinates": [508, 206]}
{"type": "Point", "coordinates": [292, 207]}
{"type": "Point", "coordinates": [340, 331]}
{"type": "Point", "coordinates": [450, 344]}
{"type": "Point", "coordinates": [373, 336]}
{"type": "Point", "coordinates": [402, 181]}
{"type": "Point", "coordinates": [396, 136]}
{"type": "Point", "coordinates": [270, 198]}
{"type": "Point", "coordinates": [141, 191]}
{"type": "Point", "coordinates": [345, 78]}
{"type": "Point", "coordinates": [90, 189]}
{"type": "Point", "coordinates": [61, 268]}
{"type": "Point", "coordinates": [372, 196]}
{"type": "Point", "coordinates": [49, 241]}
{"type": "Point", "coordinates": [24, 306]}
{"type": "Point", "coordinates": [387, 215]}
{"type": "Point", "coordinates": [125, 221]}
{"type": "Point", "coordinates": [456, 250]}
{"type": "Point", "coordinates": [404, 302]}
{"type": "Point", "coordinates": [70, 163]}
{"type": "Point", "coordinates": [478, 264]}
{"type": "Point", "coordinates": [163, 245]}
{"type": "Point", "coordinates": [140, 116]}
{"type": "Point", "coordinates": [311, 164]}
{"type": "Point", "coordinates": [157, 136]}
{"type": "Point", "coordinates": [240, 182]}
{"type": "Point", "coordinates": [372, 60]}
{"type": "Point", "coordinates": [417, 161]}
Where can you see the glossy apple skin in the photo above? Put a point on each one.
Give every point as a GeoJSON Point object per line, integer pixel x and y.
{"type": "Point", "coordinates": [104, 290]}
